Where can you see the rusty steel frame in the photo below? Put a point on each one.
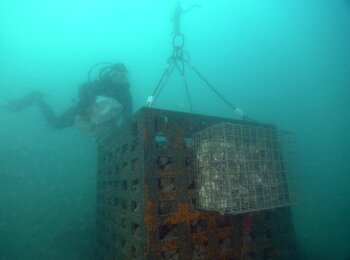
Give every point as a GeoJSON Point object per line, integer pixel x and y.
{"type": "Point", "coordinates": [146, 198]}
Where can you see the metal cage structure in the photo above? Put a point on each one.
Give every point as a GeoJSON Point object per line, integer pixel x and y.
{"type": "Point", "coordinates": [240, 168]}
{"type": "Point", "coordinates": [146, 198]}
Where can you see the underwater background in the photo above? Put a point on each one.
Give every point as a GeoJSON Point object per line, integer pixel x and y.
{"type": "Point", "coordinates": [282, 62]}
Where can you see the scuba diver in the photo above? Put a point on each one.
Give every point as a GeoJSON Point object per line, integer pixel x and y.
{"type": "Point", "coordinates": [102, 104]}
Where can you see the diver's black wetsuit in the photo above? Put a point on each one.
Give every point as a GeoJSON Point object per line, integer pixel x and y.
{"type": "Point", "coordinates": [88, 93]}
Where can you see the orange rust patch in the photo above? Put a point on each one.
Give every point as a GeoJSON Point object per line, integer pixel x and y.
{"type": "Point", "coordinates": [169, 173]}
{"type": "Point", "coordinates": [179, 138]}
{"type": "Point", "coordinates": [210, 219]}
{"type": "Point", "coordinates": [183, 215]}
{"type": "Point", "coordinates": [145, 134]}
{"type": "Point", "coordinates": [224, 232]}
{"type": "Point", "coordinates": [150, 220]}
{"type": "Point", "coordinates": [227, 255]}
{"type": "Point", "coordinates": [209, 215]}
{"type": "Point", "coordinates": [168, 245]}
{"type": "Point", "coordinates": [199, 238]}
{"type": "Point", "coordinates": [166, 195]}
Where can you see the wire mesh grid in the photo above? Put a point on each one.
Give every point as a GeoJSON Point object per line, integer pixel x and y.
{"type": "Point", "coordinates": [240, 168]}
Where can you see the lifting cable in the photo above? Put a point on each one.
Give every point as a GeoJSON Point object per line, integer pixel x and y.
{"type": "Point", "coordinates": [178, 59]}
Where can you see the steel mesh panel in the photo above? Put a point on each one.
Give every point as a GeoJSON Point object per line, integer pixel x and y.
{"type": "Point", "coordinates": [239, 169]}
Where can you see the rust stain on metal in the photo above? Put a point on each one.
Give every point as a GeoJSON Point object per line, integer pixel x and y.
{"type": "Point", "coordinates": [210, 218]}
{"type": "Point", "coordinates": [168, 245]}
{"type": "Point", "coordinates": [179, 138]}
{"type": "Point", "coordinates": [171, 195]}
{"type": "Point", "coordinates": [226, 255]}
{"type": "Point", "coordinates": [150, 220]}
{"type": "Point", "coordinates": [169, 173]}
{"type": "Point", "coordinates": [224, 232]}
{"type": "Point", "coordinates": [145, 135]}
{"type": "Point", "coordinates": [183, 215]}
{"type": "Point", "coordinates": [199, 238]}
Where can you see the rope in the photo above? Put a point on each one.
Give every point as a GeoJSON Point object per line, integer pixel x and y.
{"type": "Point", "coordinates": [162, 82]}
{"type": "Point", "coordinates": [244, 117]}
{"type": "Point", "coordinates": [212, 88]}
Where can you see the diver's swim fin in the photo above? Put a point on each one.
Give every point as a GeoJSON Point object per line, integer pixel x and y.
{"type": "Point", "coordinates": [24, 102]}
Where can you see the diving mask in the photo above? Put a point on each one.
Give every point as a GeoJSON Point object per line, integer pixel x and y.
{"type": "Point", "coordinates": [119, 77]}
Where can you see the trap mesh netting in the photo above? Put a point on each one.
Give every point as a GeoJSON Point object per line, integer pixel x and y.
{"type": "Point", "coordinates": [241, 168]}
